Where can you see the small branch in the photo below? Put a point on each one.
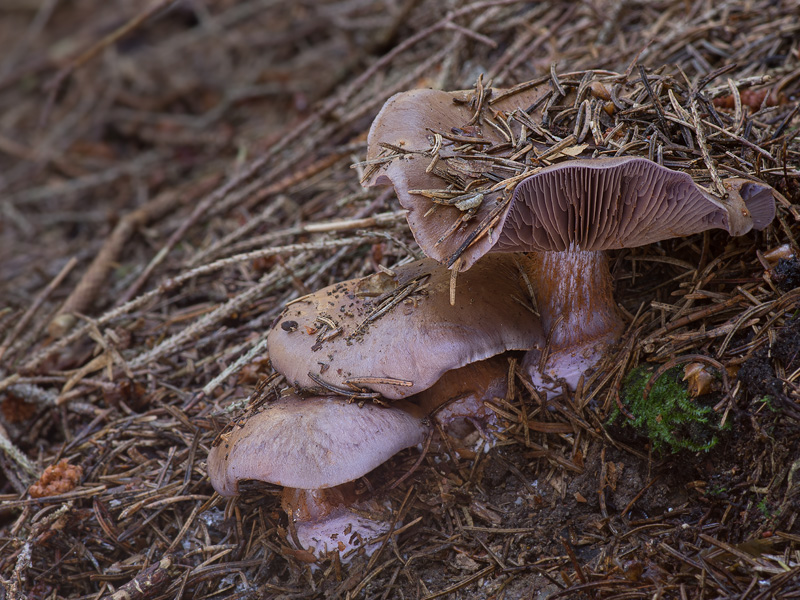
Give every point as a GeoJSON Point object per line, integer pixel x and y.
{"type": "Point", "coordinates": [146, 584]}
{"type": "Point", "coordinates": [15, 454]}
{"type": "Point", "coordinates": [66, 72]}
{"type": "Point", "coordinates": [170, 198]}
{"type": "Point", "coordinates": [171, 344]}
{"type": "Point", "coordinates": [701, 141]}
{"type": "Point", "coordinates": [96, 275]}
{"type": "Point", "coordinates": [244, 359]}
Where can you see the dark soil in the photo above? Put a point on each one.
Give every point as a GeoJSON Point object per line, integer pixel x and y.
{"type": "Point", "coordinates": [786, 274]}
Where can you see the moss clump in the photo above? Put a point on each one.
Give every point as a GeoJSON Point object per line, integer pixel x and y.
{"type": "Point", "coordinates": [668, 416]}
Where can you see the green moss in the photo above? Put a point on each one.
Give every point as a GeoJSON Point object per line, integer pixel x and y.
{"type": "Point", "coordinates": [717, 490]}
{"type": "Point", "coordinates": [767, 510]}
{"type": "Point", "coordinates": [769, 402]}
{"type": "Point", "coordinates": [668, 416]}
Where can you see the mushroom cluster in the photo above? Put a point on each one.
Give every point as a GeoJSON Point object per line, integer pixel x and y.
{"type": "Point", "coordinates": [394, 339]}
{"type": "Point", "coordinates": [375, 363]}
{"type": "Point", "coordinates": [562, 215]}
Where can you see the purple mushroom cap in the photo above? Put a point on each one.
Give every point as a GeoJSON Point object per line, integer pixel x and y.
{"type": "Point", "coordinates": [398, 335]}
{"type": "Point", "coordinates": [311, 443]}
{"type": "Point", "coordinates": [588, 203]}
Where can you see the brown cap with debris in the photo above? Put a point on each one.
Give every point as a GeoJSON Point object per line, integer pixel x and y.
{"type": "Point", "coordinates": [411, 121]}
{"type": "Point", "coordinates": [594, 204]}
{"type": "Point", "coordinates": [311, 443]}
{"type": "Point", "coordinates": [397, 335]}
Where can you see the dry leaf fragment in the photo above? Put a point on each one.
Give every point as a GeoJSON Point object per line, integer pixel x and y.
{"type": "Point", "coordinates": [572, 151]}
{"type": "Point", "coordinates": [784, 251]}
{"type": "Point", "coordinates": [699, 378]}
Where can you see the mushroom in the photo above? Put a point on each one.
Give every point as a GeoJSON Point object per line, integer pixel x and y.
{"type": "Point", "coordinates": [458, 401]}
{"type": "Point", "coordinates": [396, 335]}
{"type": "Point", "coordinates": [386, 337]}
{"type": "Point", "coordinates": [315, 447]}
{"type": "Point", "coordinates": [567, 215]}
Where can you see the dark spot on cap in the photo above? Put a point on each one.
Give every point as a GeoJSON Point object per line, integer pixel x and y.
{"type": "Point", "coordinates": [289, 326]}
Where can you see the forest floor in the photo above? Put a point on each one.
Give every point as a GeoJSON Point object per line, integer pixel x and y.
{"type": "Point", "coordinates": [172, 173]}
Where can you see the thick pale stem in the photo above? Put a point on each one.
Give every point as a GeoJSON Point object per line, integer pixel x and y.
{"type": "Point", "coordinates": [575, 297]}
{"type": "Point", "coordinates": [316, 505]}
{"type": "Point", "coordinates": [334, 520]}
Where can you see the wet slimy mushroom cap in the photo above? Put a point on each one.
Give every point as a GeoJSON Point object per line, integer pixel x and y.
{"type": "Point", "coordinates": [397, 335]}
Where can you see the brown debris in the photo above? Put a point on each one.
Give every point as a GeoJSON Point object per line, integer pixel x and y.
{"type": "Point", "coordinates": [57, 479]}
{"type": "Point", "coordinates": [753, 99]}
{"type": "Point", "coordinates": [15, 409]}
{"type": "Point", "coordinates": [699, 378]}
{"type": "Point", "coordinates": [146, 583]}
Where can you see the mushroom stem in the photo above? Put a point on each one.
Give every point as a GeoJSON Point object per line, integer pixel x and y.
{"type": "Point", "coordinates": [334, 520]}
{"type": "Point", "coordinates": [575, 297]}
{"type": "Point", "coordinates": [315, 505]}
{"type": "Point", "coordinates": [458, 401]}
